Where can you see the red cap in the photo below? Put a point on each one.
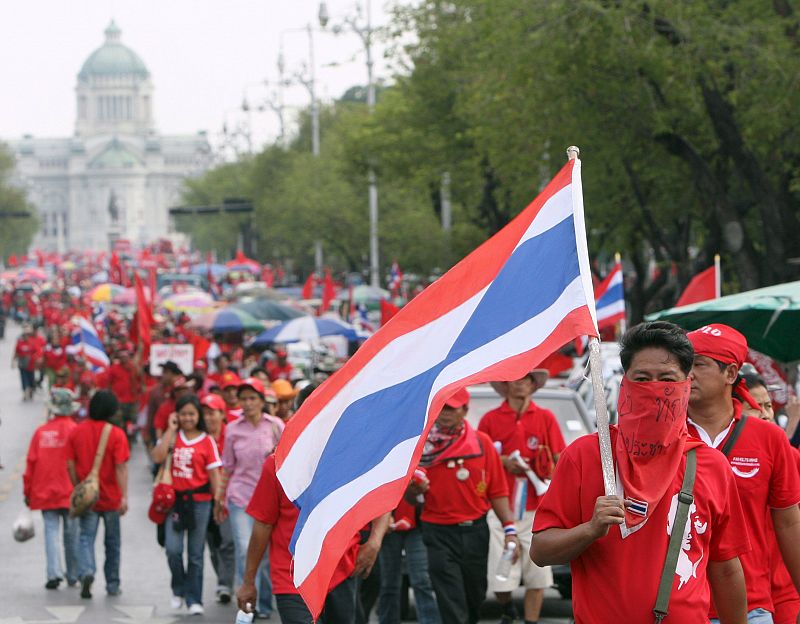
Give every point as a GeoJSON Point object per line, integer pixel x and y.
{"type": "Point", "coordinates": [214, 401]}
{"type": "Point", "coordinates": [86, 378]}
{"type": "Point", "coordinates": [720, 342]}
{"type": "Point", "coordinates": [200, 365]}
{"type": "Point", "coordinates": [162, 503]}
{"type": "Point", "coordinates": [280, 353]}
{"type": "Point", "coordinates": [459, 399]}
{"type": "Point", "coordinates": [254, 384]}
{"type": "Point", "coordinates": [230, 379]}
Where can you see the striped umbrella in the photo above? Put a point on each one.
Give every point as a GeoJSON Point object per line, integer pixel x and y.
{"type": "Point", "coordinates": [193, 303]}
{"type": "Point", "coordinates": [105, 292]}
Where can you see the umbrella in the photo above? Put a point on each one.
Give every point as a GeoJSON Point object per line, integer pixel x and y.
{"type": "Point", "coordinates": [364, 294]}
{"type": "Point", "coordinates": [268, 310]}
{"type": "Point", "coordinates": [105, 292]}
{"type": "Point", "coordinates": [125, 297]}
{"type": "Point", "coordinates": [243, 263]}
{"type": "Point", "coordinates": [32, 274]}
{"type": "Point", "coordinates": [768, 317]}
{"type": "Point", "coordinates": [11, 274]}
{"type": "Point", "coordinates": [227, 320]}
{"type": "Point", "coordinates": [307, 328]}
{"type": "Point", "coordinates": [193, 302]}
{"type": "Point", "coordinates": [217, 270]}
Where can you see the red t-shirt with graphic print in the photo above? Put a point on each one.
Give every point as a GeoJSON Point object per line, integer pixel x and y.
{"type": "Point", "coordinates": [191, 461]}
{"type": "Point", "coordinates": [629, 569]}
{"type": "Point", "coordinates": [533, 432]}
{"type": "Point", "coordinates": [766, 477]}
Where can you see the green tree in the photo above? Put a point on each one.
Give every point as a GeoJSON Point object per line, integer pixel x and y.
{"type": "Point", "coordinates": [17, 232]}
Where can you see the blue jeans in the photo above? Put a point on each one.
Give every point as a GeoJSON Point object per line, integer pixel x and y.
{"type": "Point", "coordinates": [27, 378]}
{"type": "Point", "coordinates": [112, 541]}
{"type": "Point", "coordinates": [188, 582]}
{"type": "Point", "coordinates": [756, 616]}
{"type": "Point", "coordinates": [52, 521]}
{"type": "Point", "coordinates": [390, 562]}
{"type": "Point", "coordinates": [241, 527]}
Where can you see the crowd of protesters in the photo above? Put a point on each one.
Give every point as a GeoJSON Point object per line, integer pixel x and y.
{"type": "Point", "coordinates": [210, 433]}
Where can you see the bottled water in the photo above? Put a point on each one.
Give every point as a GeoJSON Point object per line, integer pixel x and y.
{"type": "Point", "coordinates": [504, 565]}
{"type": "Point", "coordinates": [245, 618]}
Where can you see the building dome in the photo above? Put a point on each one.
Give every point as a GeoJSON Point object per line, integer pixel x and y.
{"type": "Point", "coordinates": [113, 58]}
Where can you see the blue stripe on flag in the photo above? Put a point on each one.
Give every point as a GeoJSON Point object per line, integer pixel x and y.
{"type": "Point", "coordinates": [614, 293]}
{"type": "Point", "coordinates": [545, 264]}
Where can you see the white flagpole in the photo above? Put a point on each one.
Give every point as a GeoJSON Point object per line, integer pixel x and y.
{"type": "Point", "coordinates": [598, 389]}
{"type": "Point", "coordinates": [717, 277]}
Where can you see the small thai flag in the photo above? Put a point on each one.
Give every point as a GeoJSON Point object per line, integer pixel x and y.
{"type": "Point", "coordinates": [520, 499]}
{"type": "Point", "coordinates": [636, 507]}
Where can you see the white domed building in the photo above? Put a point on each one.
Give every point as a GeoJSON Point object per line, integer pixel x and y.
{"type": "Point", "coordinates": [116, 177]}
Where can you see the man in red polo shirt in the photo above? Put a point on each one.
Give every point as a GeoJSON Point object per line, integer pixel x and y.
{"type": "Point", "coordinates": [617, 551]}
{"type": "Point", "coordinates": [465, 480]}
{"type": "Point", "coordinates": [760, 458]}
{"type": "Point", "coordinates": [275, 518]}
{"type": "Point", "coordinates": [123, 379]}
{"type": "Point", "coordinates": [525, 431]}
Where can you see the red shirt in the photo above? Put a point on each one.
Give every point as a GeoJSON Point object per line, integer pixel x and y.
{"type": "Point", "coordinates": [270, 505]}
{"type": "Point", "coordinates": [46, 481]}
{"type": "Point", "coordinates": [26, 348]}
{"type": "Point", "coordinates": [55, 357]}
{"type": "Point", "coordinates": [450, 501]}
{"type": "Point", "coordinates": [276, 371]}
{"type": "Point", "coordinates": [783, 589]}
{"type": "Point", "coordinates": [161, 419]}
{"type": "Point", "coordinates": [766, 477]}
{"type": "Point", "coordinates": [121, 381]}
{"type": "Point", "coordinates": [220, 438]}
{"type": "Point", "coordinates": [528, 433]}
{"type": "Point", "coordinates": [81, 448]}
{"type": "Point", "coordinates": [191, 461]}
{"type": "Point", "coordinates": [630, 569]}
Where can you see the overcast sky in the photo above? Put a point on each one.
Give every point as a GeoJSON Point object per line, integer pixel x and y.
{"type": "Point", "coordinates": [203, 57]}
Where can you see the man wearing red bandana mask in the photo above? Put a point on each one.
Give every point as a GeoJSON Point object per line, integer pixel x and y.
{"type": "Point", "coordinates": [617, 550]}
{"type": "Point", "coordinates": [760, 458]}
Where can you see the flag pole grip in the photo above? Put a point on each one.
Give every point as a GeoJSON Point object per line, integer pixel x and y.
{"type": "Point", "coordinates": [601, 411]}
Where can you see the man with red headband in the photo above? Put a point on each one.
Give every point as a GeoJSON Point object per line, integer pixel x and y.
{"type": "Point", "coordinates": [759, 455]}
{"type": "Point", "coordinates": [618, 551]}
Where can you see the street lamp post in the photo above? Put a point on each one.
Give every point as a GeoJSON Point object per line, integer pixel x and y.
{"type": "Point", "coordinates": [365, 34]}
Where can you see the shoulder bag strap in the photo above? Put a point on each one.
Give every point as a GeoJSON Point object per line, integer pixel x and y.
{"type": "Point", "coordinates": [101, 449]}
{"type": "Point", "coordinates": [685, 499]}
{"type": "Point", "coordinates": [734, 436]}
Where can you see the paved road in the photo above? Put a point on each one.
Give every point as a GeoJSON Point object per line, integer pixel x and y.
{"type": "Point", "coordinates": [145, 578]}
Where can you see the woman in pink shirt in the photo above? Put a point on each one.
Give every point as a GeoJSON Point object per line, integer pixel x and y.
{"type": "Point", "coordinates": [248, 442]}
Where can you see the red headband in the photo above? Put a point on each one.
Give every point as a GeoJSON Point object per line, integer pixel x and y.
{"type": "Point", "coordinates": [724, 344]}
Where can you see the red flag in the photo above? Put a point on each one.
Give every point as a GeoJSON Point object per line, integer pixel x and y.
{"type": "Point", "coordinates": [153, 284]}
{"type": "Point", "coordinates": [114, 269]}
{"type": "Point", "coordinates": [328, 291]}
{"type": "Point", "coordinates": [308, 287]}
{"type": "Point", "coordinates": [702, 288]}
{"type": "Point", "coordinates": [267, 275]}
{"type": "Point", "coordinates": [144, 316]}
{"type": "Point", "coordinates": [388, 310]}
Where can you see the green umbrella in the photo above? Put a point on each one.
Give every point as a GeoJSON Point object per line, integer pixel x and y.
{"type": "Point", "coordinates": [768, 317]}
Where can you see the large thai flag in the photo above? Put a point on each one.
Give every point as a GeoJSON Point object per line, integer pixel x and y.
{"type": "Point", "coordinates": [610, 298]}
{"type": "Point", "coordinates": [348, 453]}
{"type": "Point", "coordinates": [86, 341]}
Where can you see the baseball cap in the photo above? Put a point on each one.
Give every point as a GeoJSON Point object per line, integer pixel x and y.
{"type": "Point", "coordinates": [254, 384]}
{"type": "Point", "coordinates": [459, 399]}
{"type": "Point", "coordinates": [214, 401]}
{"type": "Point", "coordinates": [283, 389]}
{"type": "Point", "coordinates": [229, 379]}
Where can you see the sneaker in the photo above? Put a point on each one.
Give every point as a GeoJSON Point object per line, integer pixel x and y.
{"type": "Point", "coordinates": [196, 609]}
{"type": "Point", "coordinates": [86, 586]}
{"type": "Point", "coordinates": [52, 583]}
{"type": "Point", "coordinates": [223, 595]}
{"type": "Point", "coordinates": [176, 602]}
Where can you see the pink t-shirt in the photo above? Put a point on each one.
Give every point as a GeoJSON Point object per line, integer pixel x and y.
{"type": "Point", "coordinates": [246, 448]}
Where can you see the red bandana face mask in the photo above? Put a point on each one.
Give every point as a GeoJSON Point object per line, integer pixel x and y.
{"type": "Point", "coordinates": [650, 443]}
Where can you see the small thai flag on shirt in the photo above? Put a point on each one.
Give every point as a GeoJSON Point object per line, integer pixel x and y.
{"type": "Point", "coordinates": [636, 506]}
